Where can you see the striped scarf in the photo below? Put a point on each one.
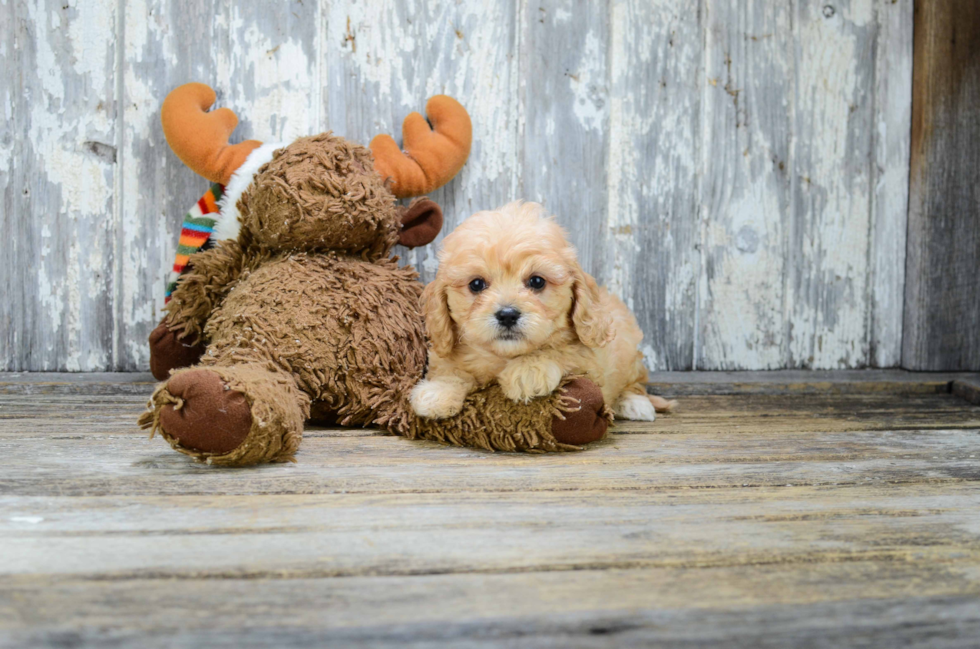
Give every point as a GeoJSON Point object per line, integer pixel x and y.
{"type": "Point", "coordinates": [195, 233]}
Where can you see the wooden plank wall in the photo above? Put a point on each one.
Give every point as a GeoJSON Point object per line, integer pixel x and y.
{"type": "Point", "coordinates": [737, 170]}
{"type": "Point", "coordinates": [942, 296]}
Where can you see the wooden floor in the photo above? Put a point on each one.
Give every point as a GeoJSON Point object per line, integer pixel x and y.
{"type": "Point", "coordinates": [805, 510]}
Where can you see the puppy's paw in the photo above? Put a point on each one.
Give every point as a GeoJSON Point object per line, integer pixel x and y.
{"type": "Point", "coordinates": [635, 407]}
{"type": "Point", "coordinates": [437, 399]}
{"type": "Point", "coordinates": [528, 377]}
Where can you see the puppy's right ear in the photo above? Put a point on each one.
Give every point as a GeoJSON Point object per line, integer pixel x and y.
{"type": "Point", "coordinates": [438, 322]}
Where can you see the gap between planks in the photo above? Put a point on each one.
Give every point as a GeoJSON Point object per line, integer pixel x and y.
{"type": "Point", "coordinates": [892, 381]}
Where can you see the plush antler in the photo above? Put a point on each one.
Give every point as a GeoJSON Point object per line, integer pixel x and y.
{"type": "Point", "coordinates": [200, 138]}
{"type": "Point", "coordinates": [432, 155]}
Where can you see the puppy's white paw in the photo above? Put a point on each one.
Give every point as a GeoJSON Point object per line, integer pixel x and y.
{"type": "Point", "coordinates": [437, 400]}
{"type": "Point", "coordinates": [636, 407]}
{"type": "Point", "coordinates": [527, 377]}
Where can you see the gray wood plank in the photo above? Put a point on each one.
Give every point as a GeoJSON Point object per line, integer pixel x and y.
{"type": "Point", "coordinates": [790, 408]}
{"type": "Point", "coordinates": [58, 148]}
{"type": "Point", "coordinates": [88, 383]}
{"type": "Point", "coordinates": [890, 180]}
{"type": "Point", "coordinates": [968, 389]}
{"type": "Point", "coordinates": [828, 234]}
{"type": "Point", "coordinates": [352, 534]}
{"type": "Point", "coordinates": [651, 231]}
{"type": "Point", "coordinates": [838, 451]}
{"type": "Point", "coordinates": [942, 291]}
{"type": "Point", "coordinates": [564, 88]}
{"type": "Point", "coordinates": [268, 67]}
{"type": "Point", "coordinates": [582, 609]}
{"type": "Point", "coordinates": [746, 187]}
{"type": "Point", "coordinates": [822, 382]}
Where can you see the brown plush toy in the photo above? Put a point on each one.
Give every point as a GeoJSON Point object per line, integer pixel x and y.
{"type": "Point", "coordinates": [299, 311]}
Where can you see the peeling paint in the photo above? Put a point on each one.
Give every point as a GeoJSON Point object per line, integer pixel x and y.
{"type": "Point", "coordinates": [834, 124]}
{"type": "Point", "coordinates": [64, 180]}
{"type": "Point", "coordinates": [588, 85]}
{"type": "Point", "coordinates": [652, 260]}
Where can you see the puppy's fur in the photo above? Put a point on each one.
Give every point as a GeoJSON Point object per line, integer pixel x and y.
{"type": "Point", "coordinates": [568, 326]}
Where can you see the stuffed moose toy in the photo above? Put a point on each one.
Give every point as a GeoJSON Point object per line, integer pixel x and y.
{"type": "Point", "coordinates": [299, 312]}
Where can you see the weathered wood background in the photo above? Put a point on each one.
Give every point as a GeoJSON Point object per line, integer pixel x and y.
{"type": "Point", "coordinates": [737, 170]}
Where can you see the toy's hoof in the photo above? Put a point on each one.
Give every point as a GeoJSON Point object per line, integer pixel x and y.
{"type": "Point", "coordinates": [588, 423]}
{"type": "Point", "coordinates": [167, 353]}
{"type": "Point", "coordinates": [211, 418]}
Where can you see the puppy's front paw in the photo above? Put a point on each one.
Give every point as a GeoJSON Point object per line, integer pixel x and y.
{"type": "Point", "coordinates": [436, 400]}
{"type": "Point", "coordinates": [526, 378]}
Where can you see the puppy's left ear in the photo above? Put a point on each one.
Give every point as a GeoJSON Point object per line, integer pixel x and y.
{"type": "Point", "coordinates": [421, 223]}
{"type": "Point", "coordinates": [592, 326]}
{"type": "Point", "coordinates": [438, 322]}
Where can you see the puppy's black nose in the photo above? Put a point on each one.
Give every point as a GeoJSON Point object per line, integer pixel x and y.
{"type": "Point", "coordinates": [508, 316]}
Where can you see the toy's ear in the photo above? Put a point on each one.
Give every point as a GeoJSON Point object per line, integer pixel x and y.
{"type": "Point", "coordinates": [200, 138]}
{"type": "Point", "coordinates": [421, 223]}
{"type": "Point", "coordinates": [434, 149]}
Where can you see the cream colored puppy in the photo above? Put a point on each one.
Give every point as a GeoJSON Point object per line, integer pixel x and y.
{"type": "Point", "coordinates": [510, 303]}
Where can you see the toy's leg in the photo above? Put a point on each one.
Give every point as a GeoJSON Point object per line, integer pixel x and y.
{"type": "Point", "coordinates": [586, 424]}
{"type": "Point", "coordinates": [233, 415]}
{"type": "Point", "coordinates": [168, 353]}
{"type": "Point", "coordinates": [573, 415]}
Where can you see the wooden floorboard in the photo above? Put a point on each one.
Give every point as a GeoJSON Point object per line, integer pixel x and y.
{"type": "Point", "coordinates": [806, 382]}
{"type": "Point", "coordinates": [753, 517]}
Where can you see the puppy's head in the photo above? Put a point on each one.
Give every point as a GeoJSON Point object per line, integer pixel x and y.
{"type": "Point", "coordinates": [509, 281]}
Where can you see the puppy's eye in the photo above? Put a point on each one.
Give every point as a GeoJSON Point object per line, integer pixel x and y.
{"type": "Point", "coordinates": [536, 282]}
{"type": "Point", "coordinates": [478, 285]}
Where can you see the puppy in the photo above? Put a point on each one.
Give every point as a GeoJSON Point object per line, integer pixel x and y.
{"type": "Point", "coordinates": [510, 303]}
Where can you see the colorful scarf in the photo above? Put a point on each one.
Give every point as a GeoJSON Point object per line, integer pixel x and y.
{"type": "Point", "coordinates": [195, 233]}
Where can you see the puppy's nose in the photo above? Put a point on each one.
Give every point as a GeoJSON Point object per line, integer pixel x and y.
{"type": "Point", "coordinates": [508, 316]}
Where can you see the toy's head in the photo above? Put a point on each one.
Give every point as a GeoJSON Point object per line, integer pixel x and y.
{"type": "Point", "coordinates": [321, 192]}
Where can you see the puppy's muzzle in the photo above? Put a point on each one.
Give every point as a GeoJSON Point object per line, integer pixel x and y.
{"type": "Point", "coordinates": [508, 317]}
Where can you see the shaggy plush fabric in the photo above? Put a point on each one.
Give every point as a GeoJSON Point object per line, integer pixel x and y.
{"type": "Point", "coordinates": [321, 193]}
{"type": "Point", "coordinates": [340, 326]}
{"type": "Point", "coordinates": [228, 225]}
{"type": "Point", "coordinates": [213, 273]}
{"type": "Point", "coordinates": [491, 421]}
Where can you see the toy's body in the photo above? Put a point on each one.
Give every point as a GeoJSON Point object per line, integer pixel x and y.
{"type": "Point", "coordinates": [304, 334]}
{"type": "Point", "coordinates": [336, 325]}
{"type": "Point", "coordinates": [300, 312]}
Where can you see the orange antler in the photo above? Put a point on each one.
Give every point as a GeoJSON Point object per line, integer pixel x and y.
{"type": "Point", "coordinates": [200, 138]}
{"type": "Point", "coordinates": [432, 155]}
